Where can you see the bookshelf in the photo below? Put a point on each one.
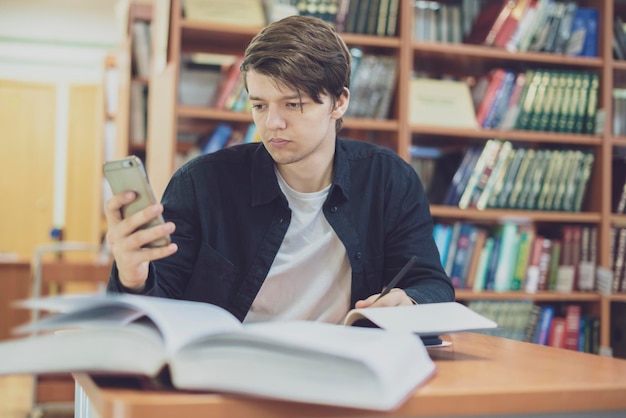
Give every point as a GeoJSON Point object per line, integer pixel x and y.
{"type": "Point", "coordinates": [138, 52]}
{"type": "Point", "coordinates": [167, 119]}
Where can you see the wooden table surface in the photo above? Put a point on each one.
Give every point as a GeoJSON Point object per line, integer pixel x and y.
{"type": "Point", "coordinates": [476, 375]}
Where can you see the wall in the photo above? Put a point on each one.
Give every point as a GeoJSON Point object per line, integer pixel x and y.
{"type": "Point", "coordinates": [60, 43]}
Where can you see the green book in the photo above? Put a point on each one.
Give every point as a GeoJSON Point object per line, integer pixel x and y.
{"type": "Point", "coordinates": [523, 256]}
{"type": "Point", "coordinates": [483, 264]}
{"type": "Point", "coordinates": [541, 96]}
{"type": "Point", "coordinates": [592, 105]}
{"type": "Point", "coordinates": [533, 77]}
{"type": "Point", "coordinates": [581, 105]}
{"type": "Point", "coordinates": [554, 265]}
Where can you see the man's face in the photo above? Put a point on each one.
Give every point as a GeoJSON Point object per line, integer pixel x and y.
{"type": "Point", "coordinates": [293, 129]}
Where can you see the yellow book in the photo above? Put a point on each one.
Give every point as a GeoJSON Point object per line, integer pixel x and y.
{"type": "Point", "coordinates": [233, 12]}
{"type": "Point", "coordinates": [432, 101]}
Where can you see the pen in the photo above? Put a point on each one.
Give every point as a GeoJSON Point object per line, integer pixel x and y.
{"type": "Point", "coordinates": [397, 278]}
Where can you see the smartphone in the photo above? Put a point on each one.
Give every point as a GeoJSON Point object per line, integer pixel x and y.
{"type": "Point", "coordinates": [129, 174]}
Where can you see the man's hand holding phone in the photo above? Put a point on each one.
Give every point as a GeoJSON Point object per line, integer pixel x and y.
{"type": "Point", "coordinates": [136, 232]}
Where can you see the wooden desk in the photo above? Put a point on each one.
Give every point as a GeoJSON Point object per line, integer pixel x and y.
{"type": "Point", "coordinates": [477, 375]}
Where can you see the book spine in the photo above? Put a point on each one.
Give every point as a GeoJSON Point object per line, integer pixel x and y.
{"type": "Point", "coordinates": [543, 328]}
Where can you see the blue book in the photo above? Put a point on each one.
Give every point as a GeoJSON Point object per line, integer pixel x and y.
{"type": "Point", "coordinates": [462, 175]}
{"type": "Point", "coordinates": [483, 265]}
{"type": "Point", "coordinates": [490, 275]}
{"type": "Point", "coordinates": [442, 234]}
{"type": "Point", "coordinates": [461, 255]}
{"type": "Point", "coordinates": [590, 46]}
{"type": "Point", "coordinates": [218, 138]}
{"type": "Point", "coordinates": [499, 105]}
{"type": "Point", "coordinates": [250, 133]}
{"type": "Point", "coordinates": [545, 321]}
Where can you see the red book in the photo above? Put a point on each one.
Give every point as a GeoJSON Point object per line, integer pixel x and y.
{"type": "Point", "coordinates": [495, 81]}
{"type": "Point", "coordinates": [572, 326]}
{"type": "Point", "coordinates": [532, 272]}
{"type": "Point", "coordinates": [556, 337]}
{"type": "Point", "coordinates": [489, 21]}
{"type": "Point", "coordinates": [228, 84]}
{"type": "Point", "coordinates": [510, 23]}
{"type": "Point", "coordinates": [544, 264]}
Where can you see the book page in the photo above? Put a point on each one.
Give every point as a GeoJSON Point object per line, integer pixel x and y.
{"type": "Point", "coordinates": [424, 320]}
{"type": "Point", "coordinates": [178, 321]}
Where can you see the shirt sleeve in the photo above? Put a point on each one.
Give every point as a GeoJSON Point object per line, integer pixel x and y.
{"type": "Point", "coordinates": [411, 233]}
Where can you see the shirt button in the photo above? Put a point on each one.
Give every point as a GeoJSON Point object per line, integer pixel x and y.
{"type": "Point", "coordinates": [333, 209]}
{"type": "Point", "coordinates": [358, 255]}
{"type": "Point", "coordinates": [280, 221]}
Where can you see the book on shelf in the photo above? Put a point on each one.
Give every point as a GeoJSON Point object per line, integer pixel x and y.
{"type": "Point", "coordinates": [479, 280]}
{"type": "Point", "coordinates": [489, 22]}
{"type": "Point", "coordinates": [523, 27]}
{"type": "Point", "coordinates": [432, 101]}
{"type": "Point", "coordinates": [480, 173]}
{"type": "Point", "coordinates": [475, 257]}
{"type": "Point", "coordinates": [304, 361]}
{"type": "Point", "coordinates": [556, 335]}
{"type": "Point", "coordinates": [228, 85]}
{"type": "Point", "coordinates": [248, 13]}
{"type": "Point", "coordinates": [555, 265]}
{"type": "Point", "coordinates": [619, 38]}
{"type": "Point", "coordinates": [506, 257]}
{"type": "Point", "coordinates": [564, 31]}
{"type": "Point", "coordinates": [461, 176]}
{"type": "Point", "coordinates": [141, 48]}
{"type": "Point", "coordinates": [573, 313]}
{"type": "Point", "coordinates": [454, 242]}
{"type": "Point", "coordinates": [462, 255]}
{"type": "Point", "coordinates": [373, 85]}
{"type": "Point", "coordinates": [322, 9]}
{"type": "Point", "coordinates": [138, 113]}
{"type": "Point", "coordinates": [524, 247]}
{"type": "Point", "coordinates": [198, 81]}
{"type": "Point", "coordinates": [510, 23]}
{"type": "Point", "coordinates": [542, 333]}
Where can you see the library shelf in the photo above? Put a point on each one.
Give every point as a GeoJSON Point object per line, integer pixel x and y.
{"type": "Point", "coordinates": [167, 118]}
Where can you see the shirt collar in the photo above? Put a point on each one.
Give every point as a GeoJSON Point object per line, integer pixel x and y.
{"type": "Point", "coordinates": [265, 186]}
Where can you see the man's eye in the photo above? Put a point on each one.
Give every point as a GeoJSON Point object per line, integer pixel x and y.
{"type": "Point", "coordinates": [294, 105]}
{"type": "Point", "coordinates": [258, 106]}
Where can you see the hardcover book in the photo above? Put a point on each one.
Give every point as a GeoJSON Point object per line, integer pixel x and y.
{"type": "Point", "coordinates": [203, 347]}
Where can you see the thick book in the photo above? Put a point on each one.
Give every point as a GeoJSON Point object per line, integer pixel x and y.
{"type": "Point", "coordinates": [203, 347]}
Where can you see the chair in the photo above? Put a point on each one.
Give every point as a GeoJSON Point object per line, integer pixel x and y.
{"type": "Point", "coordinates": [55, 393]}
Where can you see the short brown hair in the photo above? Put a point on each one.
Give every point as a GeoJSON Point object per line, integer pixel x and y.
{"type": "Point", "coordinates": [305, 54]}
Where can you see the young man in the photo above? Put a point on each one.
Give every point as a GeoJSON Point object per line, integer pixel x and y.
{"type": "Point", "coordinates": [301, 226]}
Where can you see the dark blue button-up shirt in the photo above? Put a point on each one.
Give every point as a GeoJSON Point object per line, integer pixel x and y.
{"type": "Point", "coordinates": [231, 218]}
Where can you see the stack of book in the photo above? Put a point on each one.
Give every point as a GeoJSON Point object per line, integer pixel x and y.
{"type": "Point", "coordinates": [516, 256]}
{"type": "Point", "coordinates": [498, 175]}
{"type": "Point", "coordinates": [538, 100]}
{"type": "Point", "coordinates": [560, 27]}
{"type": "Point", "coordinates": [555, 325]}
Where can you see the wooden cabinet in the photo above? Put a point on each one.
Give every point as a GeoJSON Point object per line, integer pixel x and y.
{"type": "Point", "coordinates": [168, 119]}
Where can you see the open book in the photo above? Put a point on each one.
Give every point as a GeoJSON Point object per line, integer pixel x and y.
{"type": "Point", "coordinates": [205, 348]}
{"type": "Point", "coordinates": [427, 320]}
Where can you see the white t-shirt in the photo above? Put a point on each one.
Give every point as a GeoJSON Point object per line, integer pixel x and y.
{"type": "Point", "coordinates": [310, 278]}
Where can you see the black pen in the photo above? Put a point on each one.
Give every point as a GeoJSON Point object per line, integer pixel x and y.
{"type": "Point", "coordinates": [398, 277]}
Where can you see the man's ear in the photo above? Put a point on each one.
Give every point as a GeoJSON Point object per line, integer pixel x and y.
{"type": "Point", "coordinates": [341, 106]}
